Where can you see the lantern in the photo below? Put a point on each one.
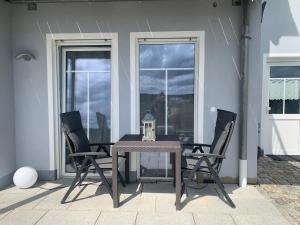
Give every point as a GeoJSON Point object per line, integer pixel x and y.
{"type": "Point", "coordinates": [148, 127]}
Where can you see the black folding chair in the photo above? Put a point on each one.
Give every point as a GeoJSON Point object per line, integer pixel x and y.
{"type": "Point", "coordinates": [82, 157]}
{"type": "Point", "coordinates": [208, 159]}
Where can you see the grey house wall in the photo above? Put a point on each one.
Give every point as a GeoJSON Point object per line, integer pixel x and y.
{"type": "Point", "coordinates": [285, 36]}
{"type": "Point", "coordinates": [7, 137]}
{"type": "Point", "coordinates": [222, 29]}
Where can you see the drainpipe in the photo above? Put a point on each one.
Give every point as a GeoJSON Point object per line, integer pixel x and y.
{"type": "Point", "coordinates": [244, 95]}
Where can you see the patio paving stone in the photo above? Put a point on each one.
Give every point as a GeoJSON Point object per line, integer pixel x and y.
{"type": "Point", "coordinates": [213, 219]}
{"type": "Point", "coordinates": [138, 204]}
{"type": "Point", "coordinates": [259, 220]}
{"type": "Point", "coordinates": [141, 204]}
{"type": "Point", "coordinates": [69, 217]}
{"type": "Point", "coordinates": [165, 219]}
{"type": "Point", "coordinates": [119, 218]}
{"type": "Point", "coordinates": [23, 217]}
{"type": "Point", "coordinates": [10, 201]}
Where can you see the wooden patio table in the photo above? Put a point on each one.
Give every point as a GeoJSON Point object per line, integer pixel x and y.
{"type": "Point", "coordinates": [134, 143]}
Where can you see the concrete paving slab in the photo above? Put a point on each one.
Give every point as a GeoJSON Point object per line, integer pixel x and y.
{"type": "Point", "coordinates": [117, 218]}
{"type": "Point", "coordinates": [11, 201]}
{"type": "Point", "coordinates": [138, 204]}
{"type": "Point", "coordinates": [69, 217]}
{"type": "Point", "coordinates": [15, 190]}
{"type": "Point", "coordinates": [23, 217]}
{"type": "Point", "coordinates": [100, 202]}
{"type": "Point", "coordinates": [165, 219]}
{"type": "Point", "coordinates": [52, 202]}
{"type": "Point", "coordinates": [152, 202]}
{"type": "Point", "coordinates": [213, 219]}
{"type": "Point", "coordinates": [262, 219]}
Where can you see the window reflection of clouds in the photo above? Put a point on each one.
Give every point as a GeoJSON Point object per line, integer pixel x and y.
{"type": "Point", "coordinates": [180, 82]}
{"type": "Point", "coordinates": [152, 82]}
{"type": "Point", "coordinates": [92, 64]}
{"type": "Point", "coordinates": [99, 97]}
{"type": "Point", "coordinates": [99, 84]}
{"type": "Point", "coordinates": [167, 55]}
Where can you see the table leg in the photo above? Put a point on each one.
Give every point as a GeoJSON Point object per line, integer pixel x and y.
{"type": "Point", "coordinates": [172, 157]}
{"type": "Point", "coordinates": [178, 179]}
{"type": "Point", "coordinates": [127, 163]}
{"type": "Point", "coordinates": [115, 178]}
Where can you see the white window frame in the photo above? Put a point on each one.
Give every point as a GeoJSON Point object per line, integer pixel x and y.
{"type": "Point", "coordinates": [53, 42]}
{"type": "Point", "coordinates": [164, 37]}
{"type": "Point", "coordinates": [276, 60]}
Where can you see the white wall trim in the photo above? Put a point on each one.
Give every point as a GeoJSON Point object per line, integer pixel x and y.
{"type": "Point", "coordinates": [52, 42]}
{"type": "Point", "coordinates": [199, 80]}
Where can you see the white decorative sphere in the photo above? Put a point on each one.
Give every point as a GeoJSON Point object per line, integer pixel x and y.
{"type": "Point", "coordinates": [25, 177]}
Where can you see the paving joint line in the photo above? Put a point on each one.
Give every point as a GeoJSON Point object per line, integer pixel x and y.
{"type": "Point", "coordinates": [231, 216]}
{"type": "Point", "coordinates": [136, 215]}
{"type": "Point", "coordinates": [194, 218]}
{"type": "Point", "coordinates": [98, 217]}
{"type": "Point", "coordinates": [41, 217]}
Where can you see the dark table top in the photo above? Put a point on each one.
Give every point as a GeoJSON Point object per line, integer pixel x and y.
{"type": "Point", "coordinates": [138, 137]}
{"type": "Point", "coordinates": [134, 143]}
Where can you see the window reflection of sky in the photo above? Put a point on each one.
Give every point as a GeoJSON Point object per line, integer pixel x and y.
{"type": "Point", "coordinates": [98, 83]}
{"type": "Point", "coordinates": [167, 55]}
{"type": "Point", "coordinates": [92, 65]}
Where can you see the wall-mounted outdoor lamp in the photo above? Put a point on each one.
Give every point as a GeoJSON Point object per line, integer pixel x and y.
{"type": "Point", "coordinates": [27, 56]}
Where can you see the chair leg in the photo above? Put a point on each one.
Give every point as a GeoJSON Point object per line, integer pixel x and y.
{"type": "Point", "coordinates": [83, 177]}
{"type": "Point", "coordinates": [121, 179]}
{"type": "Point", "coordinates": [103, 178]}
{"type": "Point", "coordinates": [74, 183]}
{"type": "Point", "coordinates": [219, 183]}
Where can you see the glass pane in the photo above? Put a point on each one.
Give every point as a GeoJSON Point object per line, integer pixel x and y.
{"type": "Point", "coordinates": [292, 96]}
{"type": "Point", "coordinates": [167, 55]}
{"type": "Point", "coordinates": [276, 96]}
{"type": "Point", "coordinates": [181, 104]}
{"type": "Point", "coordinates": [99, 107]}
{"type": "Point", "coordinates": [88, 60]}
{"type": "Point", "coordinates": [88, 90]}
{"type": "Point", "coordinates": [285, 71]}
{"type": "Point", "coordinates": [152, 98]}
{"type": "Point", "coordinates": [167, 90]}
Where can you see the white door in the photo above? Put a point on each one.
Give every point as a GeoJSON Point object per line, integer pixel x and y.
{"type": "Point", "coordinates": [86, 87]}
{"type": "Point", "coordinates": [281, 109]}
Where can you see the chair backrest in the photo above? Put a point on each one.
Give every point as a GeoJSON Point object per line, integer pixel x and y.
{"type": "Point", "coordinates": [223, 132]}
{"type": "Point", "coordinates": [74, 132]}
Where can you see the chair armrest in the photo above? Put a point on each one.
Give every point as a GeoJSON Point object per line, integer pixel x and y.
{"type": "Point", "coordinates": [88, 154]}
{"type": "Point", "coordinates": [196, 145]}
{"type": "Point", "coordinates": [204, 155]}
{"type": "Point", "coordinates": [101, 144]}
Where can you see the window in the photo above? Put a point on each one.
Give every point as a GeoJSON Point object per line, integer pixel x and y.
{"type": "Point", "coordinates": [166, 81]}
{"type": "Point", "coordinates": [284, 90]}
{"type": "Point", "coordinates": [87, 79]}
